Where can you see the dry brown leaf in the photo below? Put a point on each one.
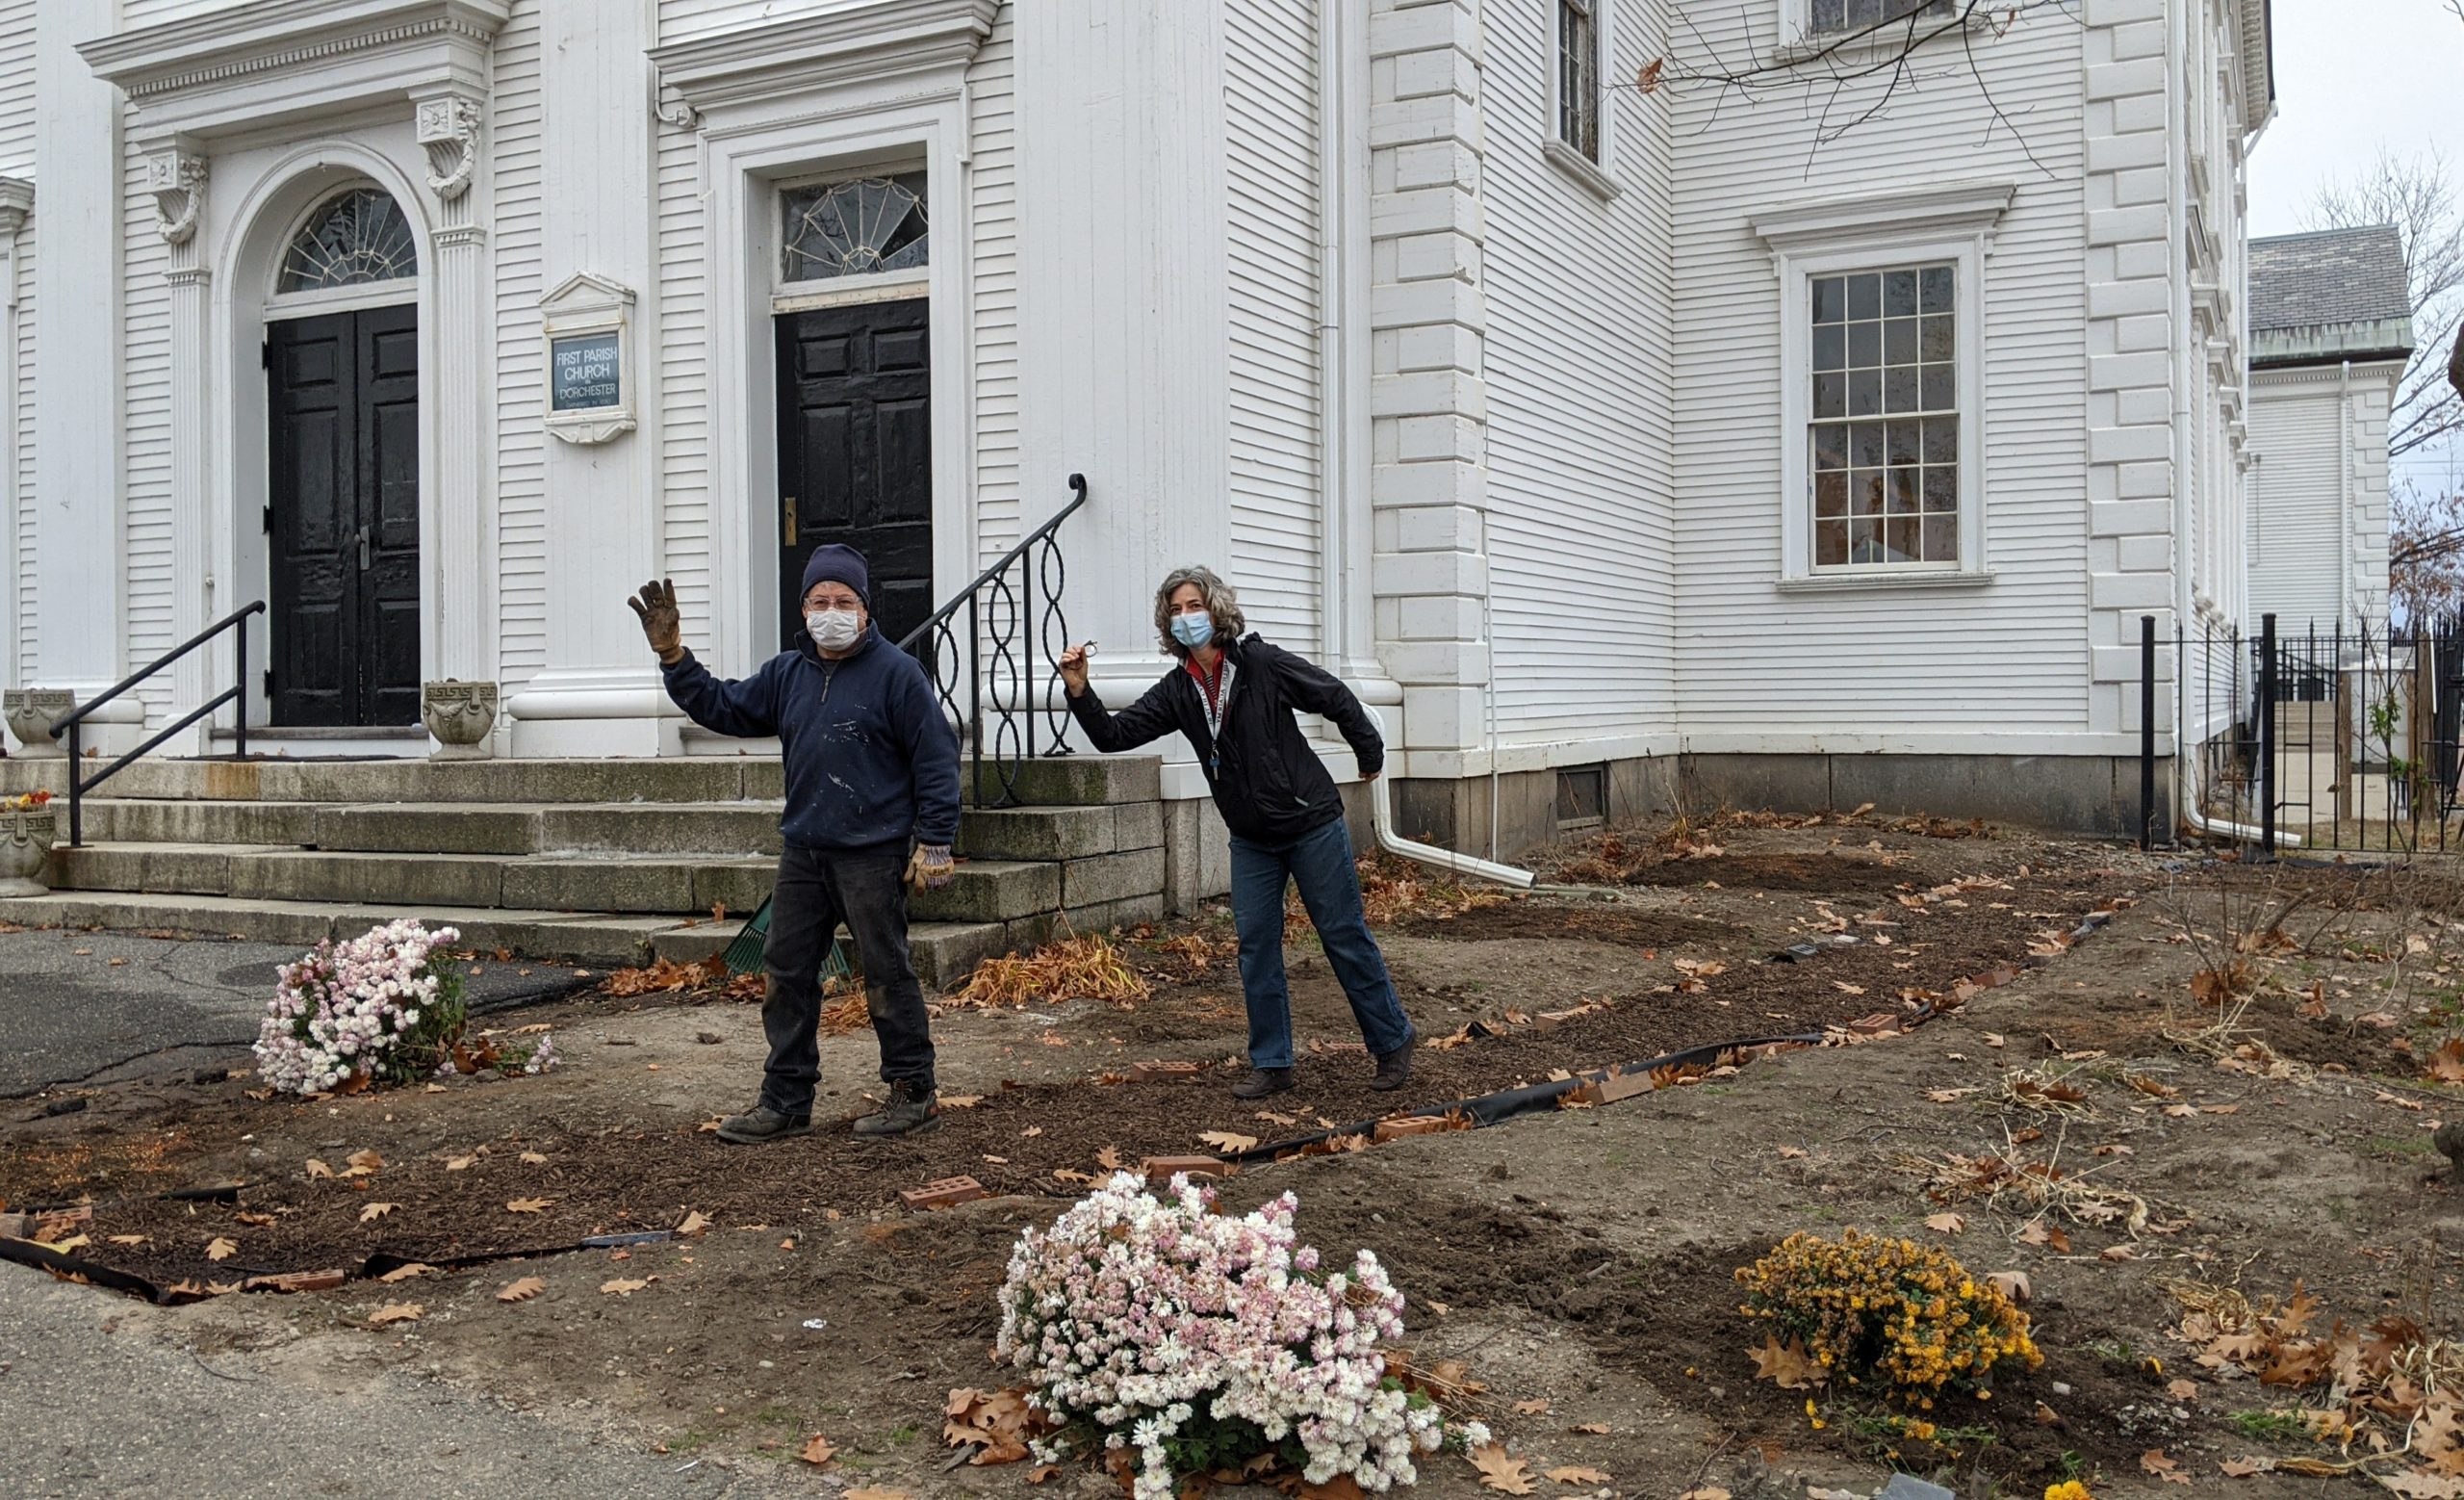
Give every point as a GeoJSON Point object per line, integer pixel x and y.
{"type": "Point", "coordinates": [961, 1100]}
{"type": "Point", "coordinates": [362, 1164]}
{"type": "Point", "coordinates": [318, 1171]}
{"type": "Point", "coordinates": [1705, 1492]}
{"type": "Point", "coordinates": [523, 1290]}
{"type": "Point", "coordinates": [1109, 1158]}
{"type": "Point", "coordinates": [1230, 1143]}
{"type": "Point", "coordinates": [1790, 1368]}
{"type": "Point", "coordinates": [625, 1286]}
{"type": "Point", "coordinates": [2014, 1284]}
{"type": "Point", "coordinates": [818, 1450]}
{"type": "Point", "coordinates": [261, 1221]}
{"type": "Point", "coordinates": [2182, 1390]}
{"type": "Point", "coordinates": [528, 1204]}
{"type": "Point", "coordinates": [1501, 1470]}
{"type": "Point", "coordinates": [1946, 1224]}
{"type": "Point", "coordinates": [2051, 1236]}
{"type": "Point", "coordinates": [1575, 1474]}
{"type": "Point", "coordinates": [376, 1211]}
{"type": "Point", "coordinates": [2243, 1469]}
{"type": "Point", "coordinates": [403, 1273]}
{"type": "Point", "coordinates": [533, 1158]}
{"type": "Point", "coordinates": [395, 1312]}
{"type": "Point", "coordinates": [694, 1223]}
{"type": "Point", "coordinates": [877, 1492]}
{"type": "Point", "coordinates": [126, 1239]}
{"type": "Point", "coordinates": [465, 1163]}
{"type": "Point", "coordinates": [219, 1249]}
{"type": "Point", "coordinates": [1593, 1429]}
{"type": "Point", "coordinates": [1532, 1408]}
{"type": "Point", "coordinates": [2154, 1461]}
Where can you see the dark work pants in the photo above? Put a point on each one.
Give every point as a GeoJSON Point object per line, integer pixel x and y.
{"type": "Point", "coordinates": [816, 889]}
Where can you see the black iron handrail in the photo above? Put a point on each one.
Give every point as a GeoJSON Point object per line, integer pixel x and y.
{"type": "Point", "coordinates": [74, 722]}
{"type": "Point", "coordinates": [1003, 623]}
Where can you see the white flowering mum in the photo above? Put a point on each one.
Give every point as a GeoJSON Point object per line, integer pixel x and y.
{"type": "Point", "coordinates": [1148, 1318]}
{"type": "Point", "coordinates": [342, 1007]}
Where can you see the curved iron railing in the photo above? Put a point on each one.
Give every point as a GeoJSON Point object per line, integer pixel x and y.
{"type": "Point", "coordinates": [993, 652]}
{"type": "Point", "coordinates": [72, 723]}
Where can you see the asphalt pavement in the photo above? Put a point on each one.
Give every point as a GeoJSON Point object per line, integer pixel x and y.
{"type": "Point", "coordinates": [104, 1399]}
{"type": "Point", "coordinates": [95, 1007]}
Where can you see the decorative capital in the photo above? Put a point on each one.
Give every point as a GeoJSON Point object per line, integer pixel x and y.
{"type": "Point", "coordinates": [16, 201]}
{"type": "Point", "coordinates": [176, 176]}
{"type": "Point", "coordinates": [448, 128]}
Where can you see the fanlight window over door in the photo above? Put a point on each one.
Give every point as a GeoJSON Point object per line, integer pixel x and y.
{"type": "Point", "coordinates": [354, 237]}
{"type": "Point", "coordinates": [857, 228]}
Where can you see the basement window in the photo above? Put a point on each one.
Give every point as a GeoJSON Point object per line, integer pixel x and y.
{"type": "Point", "coordinates": [1583, 798]}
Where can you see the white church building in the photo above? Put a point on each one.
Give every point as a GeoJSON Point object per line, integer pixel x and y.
{"type": "Point", "coordinates": [1751, 443]}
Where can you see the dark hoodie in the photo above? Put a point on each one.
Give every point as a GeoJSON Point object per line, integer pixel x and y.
{"type": "Point", "coordinates": [870, 760]}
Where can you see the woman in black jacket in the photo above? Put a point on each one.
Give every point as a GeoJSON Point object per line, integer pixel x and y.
{"type": "Point", "coordinates": [1234, 699]}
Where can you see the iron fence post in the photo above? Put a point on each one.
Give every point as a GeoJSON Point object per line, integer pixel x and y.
{"type": "Point", "coordinates": [2146, 731]}
{"type": "Point", "coordinates": [239, 704]}
{"type": "Point", "coordinates": [76, 791]}
{"type": "Point", "coordinates": [2267, 736]}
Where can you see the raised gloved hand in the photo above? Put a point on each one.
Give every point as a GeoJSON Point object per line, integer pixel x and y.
{"type": "Point", "coordinates": [929, 868]}
{"type": "Point", "coordinates": [656, 609]}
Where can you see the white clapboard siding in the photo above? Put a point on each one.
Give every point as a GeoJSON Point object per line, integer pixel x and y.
{"type": "Point", "coordinates": [2013, 655]}
{"type": "Point", "coordinates": [2296, 506]}
{"type": "Point", "coordinates": [682, 20]}
{"type": "Point", "coordinates": [992, 292]}
{"type": "Point", "coordinates": [17, 160]}
{"type": "Point", "coordinates": [146, 404]}
{"type": "Point", "coordinates": [135, 14]}
{"type": "Point", "coordinates": [683, 380]}
{"type": "Point", "coordinates": [1270, 117]}
{"type": "Point", "coordinates": [1581, 550]}
{"type": "Point", "coordinates": [513, 137]}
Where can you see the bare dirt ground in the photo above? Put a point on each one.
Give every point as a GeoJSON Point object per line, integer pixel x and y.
{"type": "Point", "coordinates": [1580, 1262]}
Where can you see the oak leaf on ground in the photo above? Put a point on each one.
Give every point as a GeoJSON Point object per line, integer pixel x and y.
{"type": "Point", "coordinates": [2155, 1462]}
{"type": "Point", "coordinates": [625, 1286]}
{"type": "Point", "coordinates": [395, 1312]}
{"type": "Point", "coordinates": [523, 1290]}
{"type": "Point", "coordinates": [1790, 1368]}
{"type": "Point", "coordinates": [406, 1271]}
{"type": "Point", "coordinates": [376, 1211]}
{"type": "Point", "coordinates": [528, 1204]}
{"type": "Point", "coordinates": [818, 1450]}
{"type": "Point", "coordinates": [220, 1248]}
{"type": "Point", "coordinates": [1575, 1474]}
{"type": "Point", "coordinates": [1501, 1470]}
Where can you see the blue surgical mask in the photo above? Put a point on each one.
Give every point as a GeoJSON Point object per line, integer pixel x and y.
{"type": "Point", "coordinates": [1192, 630]}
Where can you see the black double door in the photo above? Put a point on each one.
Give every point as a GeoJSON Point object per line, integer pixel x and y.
{"type": "Point", "coordinates": [856, 453]}
{"type": "Point", "coordinates": [342, 518]}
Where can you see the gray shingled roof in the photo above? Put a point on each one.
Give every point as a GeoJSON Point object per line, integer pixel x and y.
{"type": "Point", "coordinates": [2328, 277]}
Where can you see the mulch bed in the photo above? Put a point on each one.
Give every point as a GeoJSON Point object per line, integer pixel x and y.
{"type": "Point", "coordinates": [616, 1178]}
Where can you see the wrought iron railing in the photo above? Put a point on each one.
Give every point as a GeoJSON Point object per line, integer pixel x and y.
{"type": "Point", "coordinates": [72, 723]}
{"type": "Point", "coordinates": [993, 652]}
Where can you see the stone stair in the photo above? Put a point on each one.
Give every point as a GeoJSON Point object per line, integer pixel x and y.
{"type": "Point", "coordinates": [590, 861]}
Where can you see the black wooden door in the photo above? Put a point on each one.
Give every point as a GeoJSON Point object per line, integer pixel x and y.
{"type": "Point", "coordinates": [342, 518]}
{"type": "Point", "coordinates": [856, 453]}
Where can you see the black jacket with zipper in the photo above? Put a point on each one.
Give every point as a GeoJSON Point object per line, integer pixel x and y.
{"type": "Point", "coordinates": [1267, 780]}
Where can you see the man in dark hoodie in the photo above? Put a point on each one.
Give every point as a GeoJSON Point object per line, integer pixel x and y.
{"type": "Point", "coordinates": [872, 805]}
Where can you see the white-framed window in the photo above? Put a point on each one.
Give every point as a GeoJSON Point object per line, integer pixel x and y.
{"type": "Point", "coordinates": [1882, 441]}
{"type": "Point", "coordinates": [1578, 102]}
{"type": "Point", "coordinates": [876, 225]}
{"type": "Point", "coordinates": [1824, 18]}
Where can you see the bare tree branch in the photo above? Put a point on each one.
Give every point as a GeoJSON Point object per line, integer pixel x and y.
{"type": "Point", "coordinates": [1832, 72]}
{"type": "Point", "coordinates": [2415, 194]}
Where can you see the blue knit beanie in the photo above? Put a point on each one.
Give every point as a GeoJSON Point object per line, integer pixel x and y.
{"type": "Point", "coordinates": [837, 564]}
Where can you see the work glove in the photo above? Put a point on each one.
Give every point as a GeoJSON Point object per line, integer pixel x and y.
{"type": "Point", "coordinates": [656, 609]}
{"type": "Point", "coordinates": [929, 868]}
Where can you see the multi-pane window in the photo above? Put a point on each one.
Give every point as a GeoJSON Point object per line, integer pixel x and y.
{"type": "Point", "coordinates": [354, 238]}
{"type": "Point", "coordinates": [854, 228]}
{"type": "Point", "coordinates": [1884, 438]}
{"type": "Point", "coordinates": [1861, 14]}
{"type": "Point", "coordinates": [1578, 76]}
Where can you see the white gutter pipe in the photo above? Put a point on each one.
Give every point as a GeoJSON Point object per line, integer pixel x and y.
{"type": "Point", "coordinates": [1381, 814]}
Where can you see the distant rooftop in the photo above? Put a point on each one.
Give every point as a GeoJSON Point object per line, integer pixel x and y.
{"type": "Point", "coordinates": [2331, 295]}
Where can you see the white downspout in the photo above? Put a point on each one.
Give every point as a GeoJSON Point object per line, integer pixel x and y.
{"type": "Point", "coordinates": [1382, 816]}
{"type": "Point", "coordinates": [2344, 495]}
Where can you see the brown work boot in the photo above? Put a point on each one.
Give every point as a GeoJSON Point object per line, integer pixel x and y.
{"type": "Point", "coordinates": [1263, 1082]}
{"type": "Point", "coordinates": [1394, 1070]}
{"type": "Point", "coordinates": [913, 1109]}
{"type": "Point", "coordinates": [762, 1124]}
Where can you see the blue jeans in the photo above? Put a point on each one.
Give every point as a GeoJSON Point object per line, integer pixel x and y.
{"type": "Point", "coordinates": [1321, 864]}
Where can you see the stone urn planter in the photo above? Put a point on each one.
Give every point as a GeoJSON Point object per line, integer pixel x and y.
{"type": "Point", "coordinates": [459, 714]}
{"type": "Point", "coordinates": [30, 713]}
{"type": "Point", "coordinates": [25, 849]}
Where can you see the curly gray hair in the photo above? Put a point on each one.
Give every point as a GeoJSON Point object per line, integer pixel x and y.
{"type": "Point", "coordinates": [1223, 606]}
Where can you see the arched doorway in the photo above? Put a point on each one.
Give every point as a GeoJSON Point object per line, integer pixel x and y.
{"type": "Point", "coordinates": [342, 513]}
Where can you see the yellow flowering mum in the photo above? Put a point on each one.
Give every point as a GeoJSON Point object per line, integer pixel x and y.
{"type": "Point", "coordinates": [1907, 1312]}
{"type": "Point", "coordinates": [2068, 1489]}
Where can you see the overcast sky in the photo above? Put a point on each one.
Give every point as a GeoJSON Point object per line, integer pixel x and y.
{"type": "Point", "coordinates": [2353, 77]}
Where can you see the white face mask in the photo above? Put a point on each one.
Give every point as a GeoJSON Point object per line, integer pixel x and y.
{"type": "Point", "coordinates": [835, 630]}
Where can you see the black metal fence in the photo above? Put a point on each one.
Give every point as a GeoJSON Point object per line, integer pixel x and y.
{"type": "Point", "coordinates": [2342, 739]}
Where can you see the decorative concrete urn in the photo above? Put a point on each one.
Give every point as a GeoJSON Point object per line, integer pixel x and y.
{"type": "Point", "coordinates": [459, 714]}
{"type": "Point", "coordinates": [25, 845]}
{"type": "Point", "coordinates": [31, 712]}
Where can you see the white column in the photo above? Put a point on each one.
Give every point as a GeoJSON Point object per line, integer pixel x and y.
{"type": "Point", "coordinates": [1429, 399]}
{"type": "Point", "coordinates": [82, 626]}
{"type": "Point", "coordinates": [600, 693]}
{"type": "Point", "coordinates": [16, 200]}
{"type": "Point", "coordinates": [1122, 308]}
{"type": "Point", "coordinates": [1349, 533]}
{"type": "Point", "coordinates": [176, 174]}
{"type": "Point", "coordinates": [459, 587]}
